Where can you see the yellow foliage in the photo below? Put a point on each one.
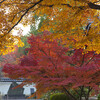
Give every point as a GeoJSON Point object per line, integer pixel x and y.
{"type": "Point", "coordinates": [65, 17]}
{"type": "Point", "coordinates": [71, 23]}
{"type": "Point", "coordinates": [7, 44]}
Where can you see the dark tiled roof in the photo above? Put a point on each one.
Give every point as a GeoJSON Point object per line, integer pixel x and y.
{"type": "Point", "coordinates": [3, 79]}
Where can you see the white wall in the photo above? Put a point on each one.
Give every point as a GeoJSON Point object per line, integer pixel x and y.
{"type": "Point", "coordinates": [4, 86]}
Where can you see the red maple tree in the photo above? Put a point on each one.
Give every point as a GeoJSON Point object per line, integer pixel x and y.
{"type": "Point", "coordinates": [49, 65]}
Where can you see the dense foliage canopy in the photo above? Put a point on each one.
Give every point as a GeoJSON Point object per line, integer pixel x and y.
{"type": "Point", "coordinates": [67, 19]}
{"type": "Point", "coordinates": [67, 57]}
{"type": "Point", "coordinates": [52, 66]}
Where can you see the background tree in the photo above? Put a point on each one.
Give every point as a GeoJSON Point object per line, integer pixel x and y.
{"type": "Point", "coordinates": [34, 29]}
{"type": "Point", "coordinates": [21, 50]}
{"type": "Point", "coordinates": [49, 67]}
{"type": "Point", "coordinates": [12, 57]}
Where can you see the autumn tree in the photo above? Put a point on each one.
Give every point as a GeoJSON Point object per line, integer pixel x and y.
{"type": "Point", "coordinates": [10, 57]}
{"type": "Point", "coordinates": [74, 24]}
{"type": "Point", "coordinates": [52, 66]}
{"type": "Point", "coordinates": [67, 19]}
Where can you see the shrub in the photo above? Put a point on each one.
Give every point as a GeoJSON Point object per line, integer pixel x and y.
{"type": "Point", "coordinates": [99, 97]}
{"type": "Point", "coordinates": [49, 93]}
{"type": "Point", "coordinates": [59, 96]}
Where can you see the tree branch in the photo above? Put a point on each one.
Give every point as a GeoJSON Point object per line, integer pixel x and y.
{"type": "Point", "coordinates": [54, 5]}
{"type": "Point", "coordinates": [2, 1]}
{"type": "Point", "coordinates": [96, 1]}
{"type": "Point", "coordinates": [69, 93]}
{"type": "Point", "coordinates": [24, 15]}
{"type": "Point", "coordinates": [16, 14]}
{"type": "Point", "coordinates": [82, 61]}
{"type": "Point", "coordinates": [87, 29]}
{"type": "Point", "coordinates": [81, 88]}
{"type": "Point", "coordinates": [90, 59]}
{"type": "Point", "coordinates": [77, 92]}
{"type": "Point", "coordinates": [89, 90]}
{"type": "Point", "coordinates": [93, 6]}
{"type": "Point", "coordinates": [90, 4]}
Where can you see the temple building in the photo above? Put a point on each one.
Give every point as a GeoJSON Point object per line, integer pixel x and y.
{"type": "Point", "coordinates": [7, 89]}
